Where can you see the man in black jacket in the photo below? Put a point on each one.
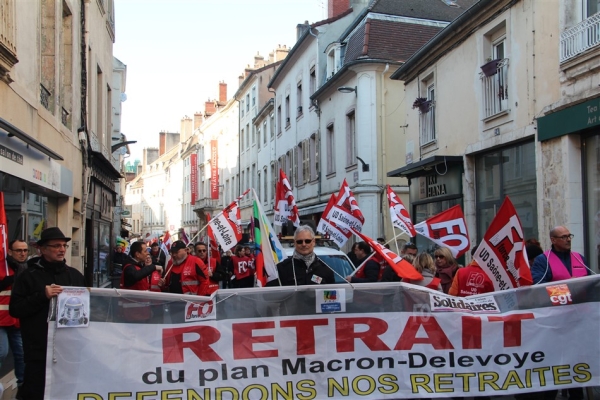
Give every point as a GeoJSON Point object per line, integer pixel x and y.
{"type": "Point", "coordinates": [304, 267]}
{"type": "Point", "coordinates": [158, 255]}
{"type": "Point", "coordinates": [30, 302]}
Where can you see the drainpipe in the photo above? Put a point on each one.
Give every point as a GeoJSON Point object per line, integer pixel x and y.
{"type": "Point", "coordinates": [383, 150]}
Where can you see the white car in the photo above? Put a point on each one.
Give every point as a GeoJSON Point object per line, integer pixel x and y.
{"type": "Point", "coordinates": [337, 260]}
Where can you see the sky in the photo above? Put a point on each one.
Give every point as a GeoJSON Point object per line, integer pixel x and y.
{"type": "Point", "coordinates": [177, 52]}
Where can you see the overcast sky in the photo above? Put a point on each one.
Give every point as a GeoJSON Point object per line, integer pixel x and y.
{"type": "Point", "coordinates": [177, 51]}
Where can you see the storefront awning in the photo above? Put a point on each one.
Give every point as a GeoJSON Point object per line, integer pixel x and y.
{"type": "Point", "coordinates": [423, 167]}
{"type": "Point", "coordinates": [16, 132]}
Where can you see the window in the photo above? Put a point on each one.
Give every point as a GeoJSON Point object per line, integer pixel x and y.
{"type": "Point", "coordinates": [99, 105]}
{"type": "Point", "coordinates": [265, 186]}
{"type": "Point", "coordinates": [248, 136]}
{"type": "Point", "coordinates": [264, 128]}
{"type": "Point", "coordinates": [66, 70]}
{"type": "Point", "coordinates": [427, 118]}
{"type": "Point", "coordinates": [259, 185]}
{"type": "Point", "coordinates": [313, 81]}
{"type": "Point", "coordinates": [494, 74]}
{"type": "Point", "coordinates": [278, 119]}
{"type": "Point", "coordinates": [274, 178]}
{"type": "Point", "coordinates": [242, 107]}
{"type": "Point", "coordinates": [591, 7]}
{"type": "Point", "coordinates": [48, 55]}
{"type": "Point", "coordinates": [8, 34]}
{"type": "Point", "coordinates": [299, 99]}
{"type": "Point", "coordinates": [252, 182]}
{"type": "Point", "coordinates": [243, 135]}
{"type": "Point", "coordinates": [507, 172]}
{"type": "Point", "coordinates": [289, 166]}
{"type": "Point", "coordinates": [314, 157]}
{"type": "Point", "coordinates": [299, 159]}
{"type": "Point", "coordinates": [287, 111]}
{"type": "Point", "coordinates": [247, 102]}
{"type": "Point", "coordinates": [272, 126]}
{"type": "Point", "coordinates": [350, 139]}
{"type": "Point", "coordinates": [253, 134]}
{"type": "Point", "coordinates": [330, 149]}
{"type": "Point", "coordinates": [253, 96]}
{"type": "Point", "coordinates": [259, 135]}
{"type": "Point", "coordinates": [330, 63]}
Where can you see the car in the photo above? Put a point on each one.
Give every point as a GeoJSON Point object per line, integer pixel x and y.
{"type": "Point", "coordinates": [328, 252]}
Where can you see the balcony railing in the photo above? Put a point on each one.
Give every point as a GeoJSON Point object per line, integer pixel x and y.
{"type": "Point", "coordinates": [580, 37]}
{"type": "Point", "coordinates": [428, 134]}
{"type": "Point", "coordinates": [495, 90]}
{"type": "Point", "coordinates": [45, 97]}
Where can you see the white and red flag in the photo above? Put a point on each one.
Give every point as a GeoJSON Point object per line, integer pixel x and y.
{"type": "Point", "coordinates": [213, 247]}
{"type": "Point", "coordinates": [3, 239]}
{"type": "Point", "coordinates": [339, 235]}
{"type": "Point", "coordinates": [403, 268]}
{"type": "Point", "coordinates": [501, 253]}
{"type": "Point", "coordinates": [448, 229]}
{"type": "Point", "coordinates": [226, 226]}
{"type": "Point", "coordinates": [285, 204]}
{"type": "Point", "coordinates": [345, 212]}
{"type": "Point", "coordinates": [165, 246]}
{"type": "Point", "coordinates": [399, 214]}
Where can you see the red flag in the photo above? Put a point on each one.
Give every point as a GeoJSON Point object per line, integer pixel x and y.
{"type": "Point", "coordinates": [399, 214]}
{"type": "Point", "coordinates": [213, 247]}
{"type": "Point", "coordinates": [3, 238]}
{"type": "Point", "coordinates": [501, 252]}
{"type": "Point", "coordinates": [403, 268]}
{"type": "Point", "coordinates": [448, 229]}
{"type": "Point", "coordinates": [259, 264]}
{"type": "Point", "coordinates": [339, 235]}
{"type": "Point", "coordinates": [166, 244]}
{"type": "Point", "coordinates": [285, 204]}
{"type": "Point", "coordinates": [345, 212]}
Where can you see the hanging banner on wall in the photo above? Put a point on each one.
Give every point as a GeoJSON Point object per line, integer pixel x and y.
{"type": "Point", "coordinates": [194, 177]}
{"type": "Point", "coordinates": [214, 169]}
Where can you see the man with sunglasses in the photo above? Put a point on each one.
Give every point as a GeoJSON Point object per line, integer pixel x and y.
{"type": "Point", "coordinates": [30, 302]}
{"type": "Point", "coordinates": [304, 267]}
{"type": "Point", "coordinates": [216, 274]}
{"type": "Point", "coordinates": [10, 332]}
{"type": "Point", "coordinates": [559, 263]}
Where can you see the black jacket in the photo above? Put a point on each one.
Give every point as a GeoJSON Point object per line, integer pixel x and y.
{"type": "Point", "coordinates": [304, 276]}
{"type": "Point", "coordinates": [371, 271]}
{"type": "Point", "coordinates": [132, 275]}
{"type": "Point", "coordinates": [29, 303]}
{"type": "Point", "coordinates": [160, 258]}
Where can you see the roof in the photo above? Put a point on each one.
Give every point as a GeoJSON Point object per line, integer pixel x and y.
{"type": "Point", "coordinates": [388, 40]}
{"type": "Point", "coordinates": [436, 10]}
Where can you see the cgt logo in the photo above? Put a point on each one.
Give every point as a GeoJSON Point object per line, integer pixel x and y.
{"type": "Point", "coordinates": [559, 295]}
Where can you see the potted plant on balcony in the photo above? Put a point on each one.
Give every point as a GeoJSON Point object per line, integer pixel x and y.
{"type": "Point", "coordinates": [422, 104]}
{"type": "Point", "coordinates": [490, 68]}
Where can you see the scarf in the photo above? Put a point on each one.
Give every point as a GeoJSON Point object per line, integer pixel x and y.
{"type": "Point", "coordinates": [308, 259]}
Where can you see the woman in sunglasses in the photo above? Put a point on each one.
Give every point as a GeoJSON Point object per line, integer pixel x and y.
{"type": "Point", "coordinates": [446, 266]}
{"type": "Point", "coordinates": [304, 267]}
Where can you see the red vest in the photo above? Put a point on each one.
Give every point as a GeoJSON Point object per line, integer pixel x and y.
{"type": "Point", "coordinates": [191, 283]}
{"type": "Point", "coordinates": [560, 272]}
{"type": "Point", "coordinates": [5, 318]}
{"type": "Point", "coordinates": [154, 278]}
{"type": "Point", "coordinates": [134, 310]}
{"type": "Point", "coordinates": [213, 285]}
{"type": "Point", "coordinates": [243, 267]}
{"type": "Point", "coordinates": [382, 264]}
{"type": "Point", "coordinates": [472, 280]}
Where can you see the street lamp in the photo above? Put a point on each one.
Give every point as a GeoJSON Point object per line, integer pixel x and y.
{"type": "Point", "coordinates": [347, 89]}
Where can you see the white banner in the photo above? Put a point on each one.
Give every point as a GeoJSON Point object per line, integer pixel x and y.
{"type": "Point", "coordinates": [309, 346]}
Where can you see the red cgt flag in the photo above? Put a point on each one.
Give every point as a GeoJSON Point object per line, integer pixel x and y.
{"type": "Point", "coordinates": [285, 204]}
{"type": "Point", "coordinates": [4, 238]}
{"type": "Point", "coordinates": [213, 247]}
{"type": "Point", "coordinates": [403, 268]}
{"type": "Point", "coordinates": [339, 235]}
{"type": "Point", "coordinates": [399, 214]}
{"type": "Point", "coordinates": [501, 253]}
{"type": "Point", "coordinates": [448, 229]}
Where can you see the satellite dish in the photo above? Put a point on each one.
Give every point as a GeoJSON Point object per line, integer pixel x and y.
{"type": "Point", "coordinates": [123, 97]}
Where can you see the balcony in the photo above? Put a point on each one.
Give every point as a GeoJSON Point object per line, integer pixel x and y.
{"type": "Point", "coordinates": [580, 38]}
{"type": "Point", "coordinates": [495, 90]}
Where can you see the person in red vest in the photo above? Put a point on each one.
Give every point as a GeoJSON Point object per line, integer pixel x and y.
{"type": "Point", "coordinates": [471, 280]}
{"type": "Point", "coordinates": [243, 269]}
{"type": "Point", "coordinates": [135, 276]}
{"type": "Point", "coordinates": [215, 272]}
{"type": "Point", "coordinates": [371, 271]}
{"type": "Point", "coordinates": [187, 275]}
{"type": "Point", "coordinates": [10, 332]}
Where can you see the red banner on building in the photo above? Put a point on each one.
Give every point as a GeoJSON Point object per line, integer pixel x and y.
{"type": "Point", "coordinates": [194, 177]}
{"type": "Point", "coordinates": [214, 169]}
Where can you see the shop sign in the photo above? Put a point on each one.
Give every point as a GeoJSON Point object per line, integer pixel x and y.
{"type": "Point", "coordinates": [569, 120]}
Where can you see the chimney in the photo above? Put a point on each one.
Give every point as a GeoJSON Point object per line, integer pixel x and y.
{"type": "Point", "coordinates": [259, 61]}
{"type": "Point", "coordinates": [301, 29]}
{"type": "Point", "coordinates": [281, 52]}
{"type": "Point", "coordinates": [209, 108]}
{"type": "Point", "coordinates": [162, 143]}
{"type": "Point", "coordinates": [222, 92]}
{"type": "Point", "coordinates": [197, 120]}
{"type": "Point", "coordinates": [186, 128]}
{"type": "Point", "coordinates": [336, 7]}
{"type": "Point", "coordinates": [241, 79]}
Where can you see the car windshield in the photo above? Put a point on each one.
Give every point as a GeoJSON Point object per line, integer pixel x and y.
{"type": "Point", "coordinates": [340, 265]}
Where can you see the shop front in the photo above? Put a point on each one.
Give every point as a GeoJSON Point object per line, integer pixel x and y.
{"type": "Point", "coordinates": [576, 130]}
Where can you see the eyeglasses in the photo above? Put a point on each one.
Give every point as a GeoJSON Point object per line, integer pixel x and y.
{"type": "Point", "coordinates": [439, 256]}
{"type": "Point", "coordinates": [565, 237]}
{"type": "Point", "coordinates": [305, 241]}
{"type": "Point", "coordinates": [58, 246]}
{"type": "Point", "coordinates": [201, 251]}
{"type": "Point", "coordinates": [20, 250]}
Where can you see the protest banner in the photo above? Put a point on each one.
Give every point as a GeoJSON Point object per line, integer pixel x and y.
{"type": "Point", "coordinates": [274, 343]}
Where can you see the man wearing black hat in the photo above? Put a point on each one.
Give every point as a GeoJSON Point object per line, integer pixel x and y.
{"type": "Point", "coordinates": [30, 300]}
{"type": "Point", "coordinates": [187, 274]}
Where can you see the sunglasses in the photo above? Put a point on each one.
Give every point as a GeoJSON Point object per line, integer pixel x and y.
{"type": "Point", "coordinates": [21, 250]}
{"type": "Point", "coordinates": [439, 256]}
{"type": "Point", "coordinates": [305, 241]}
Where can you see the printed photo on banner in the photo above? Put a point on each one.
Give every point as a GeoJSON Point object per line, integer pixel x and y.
{"type": "Point", "coordinates": [200, 311]}
{"type": "Point", "coordinates": [330, 300]}
{"type": "Point", "coordinates": [73, 308]}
